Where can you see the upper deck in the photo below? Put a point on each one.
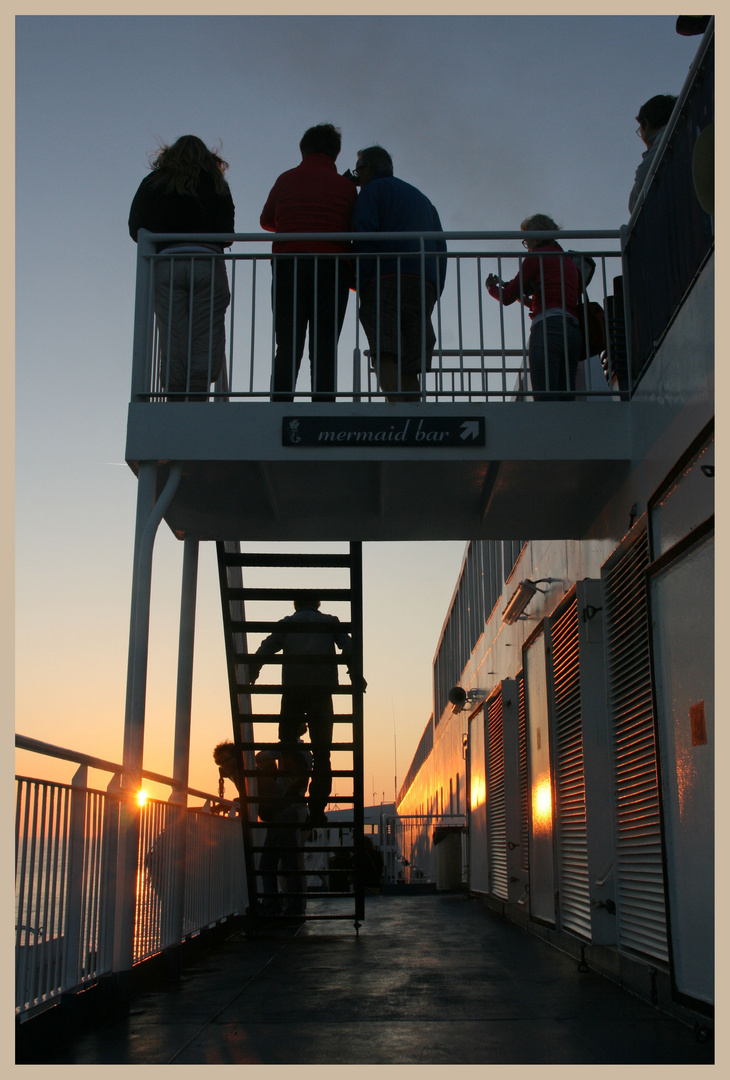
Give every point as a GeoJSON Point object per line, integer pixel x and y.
{"type": "Point", "coordinates": [476, 456]}
{"type": "Point", "coordinates": [530, 469]}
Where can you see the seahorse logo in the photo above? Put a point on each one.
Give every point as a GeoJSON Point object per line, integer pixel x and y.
{"type": "Point", "coordinates": [294, 436]}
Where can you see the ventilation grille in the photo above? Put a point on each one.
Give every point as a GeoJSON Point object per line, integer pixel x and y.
{"type": "Point", "coordinates": [639, 871]}
{"type": "Point", "coordinates": [575, 911]}
{"type": "Point", "coordinates": [524, 807]}
{"type": "Point", "coordinates": [496, 819]}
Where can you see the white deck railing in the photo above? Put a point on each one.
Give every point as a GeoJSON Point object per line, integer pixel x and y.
{"type": "Point", "coordinates": [481, 346]}
{"type": "Point", "coordinates": [66, 839]}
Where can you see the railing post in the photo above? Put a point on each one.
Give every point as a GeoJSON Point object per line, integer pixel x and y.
{"type": "Point", "coordinates": [75, 887]}
{"type": "Point", "coordinates": [110, 836]}
{"type": "Point", "coordinates": [142, 316]}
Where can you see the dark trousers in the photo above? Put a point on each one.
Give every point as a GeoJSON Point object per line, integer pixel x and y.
{"type": "Point", "coordinates": [308, 294]}
{"type": "Point", "coordinates": [275, 859]}
{"type": "Point", "coordinates": [313, 708]}
{"type": "Point", "coordinates": [191, 298]}
{"type": "Point", "coordinates": [549, 362]}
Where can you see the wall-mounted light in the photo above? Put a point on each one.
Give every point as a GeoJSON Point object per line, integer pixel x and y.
{"type": "Point", "coordinates": [459, 697]}
{"type": "Point", "coordinates": [521, 597]}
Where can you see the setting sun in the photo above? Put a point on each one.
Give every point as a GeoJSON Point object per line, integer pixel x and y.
{"type": "Point", "coordinates": [141, 797]}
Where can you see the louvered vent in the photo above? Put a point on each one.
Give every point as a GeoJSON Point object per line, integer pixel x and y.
{"type": "Point", "coordinates": [524, 809]}
{"type": "Point", "coordinates": [575, 912]}
{"type": "Point", "coordinates": [639, 872]}
{"type": "Point", "coordinates": [496, 818]}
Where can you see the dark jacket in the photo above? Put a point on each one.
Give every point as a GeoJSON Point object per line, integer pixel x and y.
{"type": "Point", "coordinates": [208, 211]}
{"type": "Point", "coordinates": [387, 204]}
{"type": "Point", "coordinates": [297, 644]}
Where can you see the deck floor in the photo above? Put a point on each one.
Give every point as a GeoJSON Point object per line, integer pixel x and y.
{"type": "Point", "coordinates": [430, 979]}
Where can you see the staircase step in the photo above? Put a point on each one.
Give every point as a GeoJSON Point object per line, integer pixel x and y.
{"type": "Point", "coordinates": [270, 626]}
{"type": "Point", "coordinates": [249, 558]}
{"type": "Point", "coordinates": [276, 688]}
{"type": "Point", "coordinates": [274, 745]}
{"type": "Point", "coordinates": [251, 593]}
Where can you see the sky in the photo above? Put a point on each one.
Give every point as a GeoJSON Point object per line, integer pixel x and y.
{"type": "Point", "coordinates": [493, 117]}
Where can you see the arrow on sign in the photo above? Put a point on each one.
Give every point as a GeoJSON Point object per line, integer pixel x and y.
{"type": "Point", "coordinates": [470, 429]}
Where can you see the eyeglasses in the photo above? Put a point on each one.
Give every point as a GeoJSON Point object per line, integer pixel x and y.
{"type": "Point", "coordinates": [525, 243]}
{"type": "Point", "coordinates": [639, 132]}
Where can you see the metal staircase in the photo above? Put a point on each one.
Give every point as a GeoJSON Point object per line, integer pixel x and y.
{"type": "Point", "coordinates": [333, 893]}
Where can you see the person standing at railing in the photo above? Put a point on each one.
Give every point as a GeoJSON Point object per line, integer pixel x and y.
{"type": "Point", "coordinates": [310, 293]}
{"type": "Point", "coordinates": [393, 292]}
{"type": "Point", "coordinates": [224, 755]}
{"type": "Point", "coordinates": [652, 118]}
{"type": "Point", "coordinates": [549, 284]}
{"type": "Point", "coordinates": [186, 192]}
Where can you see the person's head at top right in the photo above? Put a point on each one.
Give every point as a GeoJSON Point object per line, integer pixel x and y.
{"type": "Point", "coordinates": [654, 114]}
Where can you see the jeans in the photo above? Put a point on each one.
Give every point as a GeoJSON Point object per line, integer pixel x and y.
{"type": "Point", "coordinates": [548, 366]}
{"type": "Point", "coordinates": [318, 301]}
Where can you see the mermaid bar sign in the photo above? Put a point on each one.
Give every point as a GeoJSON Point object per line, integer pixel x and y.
{"type": "Point", "coordinates": [426, 431]}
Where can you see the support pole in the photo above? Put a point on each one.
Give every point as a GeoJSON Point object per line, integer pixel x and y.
{"type": "Point", "coordinates": [149, 516]}
{"type": "Point", "coordinates": [181, 754]}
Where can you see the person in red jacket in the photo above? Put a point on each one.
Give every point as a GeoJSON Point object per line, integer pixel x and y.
{"type": "Point", "coordinates": [549, 285]}
{"type": "Point", "coordinates": [309, 293]}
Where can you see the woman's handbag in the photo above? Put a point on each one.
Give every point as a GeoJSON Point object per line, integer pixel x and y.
{"type": "Point", "coordinates": [592, 320]}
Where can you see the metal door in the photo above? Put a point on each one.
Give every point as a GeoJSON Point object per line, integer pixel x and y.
{"type": "Point", "coordinates": [478, 850]}
{"type": "Point", "coordinates": [542, 858]}
{"type": "Point", "coordinates": [570, 788]}
{"type": "Point", "coordinates": [682, 624]}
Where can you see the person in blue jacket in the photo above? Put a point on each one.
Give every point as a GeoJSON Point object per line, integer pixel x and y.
{"type": "Point", "coordinates": [397, 290]}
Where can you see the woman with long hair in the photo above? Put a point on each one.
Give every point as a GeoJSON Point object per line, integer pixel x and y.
{"type": "Point", "coordinates": [186, 192]}
{"type": "Point", "coordinates": [548, 283]}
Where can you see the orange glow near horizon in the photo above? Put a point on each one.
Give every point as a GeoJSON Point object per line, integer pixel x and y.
{"type": "Point", "coordinates": [141, 798]}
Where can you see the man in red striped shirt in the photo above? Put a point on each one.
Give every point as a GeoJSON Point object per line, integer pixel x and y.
{"type": "Point", "coordinates": [310, 293]}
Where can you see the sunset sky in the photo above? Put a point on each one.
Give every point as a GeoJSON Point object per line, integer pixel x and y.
{"type": "Point", "coordinates": [493, 117]}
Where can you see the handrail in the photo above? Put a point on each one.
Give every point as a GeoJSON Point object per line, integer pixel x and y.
{"type": "Point", "coordinates": [344, 237]}
{"type": "Point", "coordinates": [36, 746]}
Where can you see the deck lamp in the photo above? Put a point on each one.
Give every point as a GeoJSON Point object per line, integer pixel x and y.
{"type": "Point", "coordinates": [460, 697]}
{"type": "Point", "coordinates": [521, 597]}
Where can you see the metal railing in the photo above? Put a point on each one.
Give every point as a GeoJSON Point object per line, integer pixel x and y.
{"type": "Point", "coordinates": [66, 840]}
{"type": "Point", "coordinates": [481, 350]}
{"type": "Point", "coordinates": [410, 851]}
{"type": "Point", "coordinates": [670, 236]}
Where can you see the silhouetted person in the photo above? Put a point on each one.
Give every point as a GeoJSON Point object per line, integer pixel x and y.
{"type": "Point", "coordinates": [310, 293]}
{"type": "Point", "coordinates": [652, 119]}
{"type": "Point", "coordinates": [394, 300]}
{"type": "Point", "coordinates": [186, 192]}
{"type": "Point", "coordinates": [283, 776]}
{"type": "Point", "coordinates": [307, 687]}
{"type": "Point", "coordinates": [224, 755]}
{"type": "Point", "coordinates": [550, 287]}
